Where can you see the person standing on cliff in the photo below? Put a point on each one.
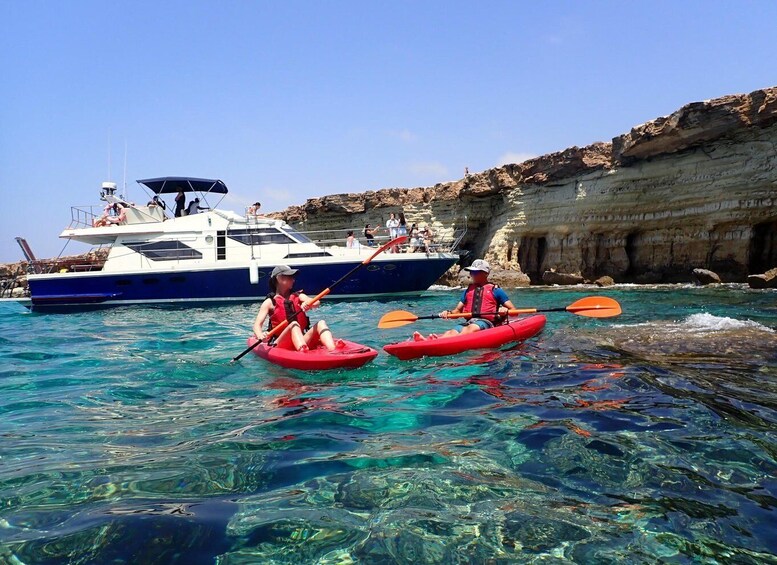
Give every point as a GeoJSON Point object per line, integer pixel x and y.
{"type": "Point", "coordinates": [488, 304]}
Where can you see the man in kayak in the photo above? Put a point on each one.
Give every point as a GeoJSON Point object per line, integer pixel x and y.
{"type": "Point", "coordinates": [284, 304]}
{"type": "Point", "coordinates": [487, 302]}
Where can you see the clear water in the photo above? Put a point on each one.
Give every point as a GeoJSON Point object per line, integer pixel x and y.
{"type": "Point", "coordinates": [126, 436]}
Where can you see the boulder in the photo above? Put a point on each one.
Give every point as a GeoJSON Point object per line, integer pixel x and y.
{"type": "Point", "coordinates": [704, 276]}
{"type": "Point", "coordinates": [766, 280]}
{"type": "Point", "coordinates": [18, 292]}
{"type": "Point", "coordinates": [552, 277]}
{"type": "Point", "coordinates": [509, 278]}
{"type": "Point", "coordinates": [506, 278]}
{"type": "Point", "coordinates": [604, 281]}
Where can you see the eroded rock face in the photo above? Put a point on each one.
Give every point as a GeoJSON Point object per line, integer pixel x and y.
{"type": "Point", "coordinates": [694, 189]}
{"type": "Point", "coordinates": [705, 276]}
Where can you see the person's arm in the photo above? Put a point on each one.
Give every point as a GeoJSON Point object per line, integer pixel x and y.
{"type": "Point", "coordinates": [457, 310]}
{"type": "Point", "coordinates": [305, 299]}
{"type": "Point", "coordinates": [264, 311]}
{"type": "Point", "coordinates": [504, 302]}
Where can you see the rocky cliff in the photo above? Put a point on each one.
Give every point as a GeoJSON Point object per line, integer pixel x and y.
{"type": "Point", "coordinates": [693, 189]}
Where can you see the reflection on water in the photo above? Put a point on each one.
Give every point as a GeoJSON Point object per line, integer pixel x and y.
{"type": "Point", "coordinates": [128, 437]}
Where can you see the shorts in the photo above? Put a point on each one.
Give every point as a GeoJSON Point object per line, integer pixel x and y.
{"type": "Point", "coordinates": [479, 322]}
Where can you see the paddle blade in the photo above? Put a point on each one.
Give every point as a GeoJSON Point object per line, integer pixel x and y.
{"type": "Point", "coordinates": [396, 319]}
{"type": "Point", "coordinates": [595, 307]}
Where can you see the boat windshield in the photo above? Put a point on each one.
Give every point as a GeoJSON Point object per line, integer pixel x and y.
{"type": "Point", "coordinates": [302, 238]}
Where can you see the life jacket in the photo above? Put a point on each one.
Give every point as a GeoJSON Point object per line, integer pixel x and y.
{"type": "Point", "coordinates": [287, 309]}
{"type": "Point", "coordinates": [481, 299]}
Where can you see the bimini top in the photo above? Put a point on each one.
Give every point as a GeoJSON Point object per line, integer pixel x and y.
{"type": "Point", "coordinates": [169, 185]}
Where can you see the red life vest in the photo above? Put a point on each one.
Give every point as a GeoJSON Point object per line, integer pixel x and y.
{"type": "Point", "coordinates": [287, 309]}
{"type": "Point", "coordinates": [481, 299]}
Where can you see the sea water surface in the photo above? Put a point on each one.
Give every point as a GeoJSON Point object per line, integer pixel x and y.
{"type": "Point", "coordinates": [127, 436]}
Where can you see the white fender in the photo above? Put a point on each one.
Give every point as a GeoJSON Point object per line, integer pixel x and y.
{"type": "Point", "coordinates": [253, 272]}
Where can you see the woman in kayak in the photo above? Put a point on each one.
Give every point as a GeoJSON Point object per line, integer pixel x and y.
{"type": "Point", "coordinates": [284, 304]}
{"type": "Point", "coordinates": [487, 302]}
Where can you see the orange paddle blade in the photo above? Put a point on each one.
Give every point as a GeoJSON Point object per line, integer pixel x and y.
{"type": "Point", "coordinates": [595, 307]}
{"type": "Point", "coordinates": [396, 319]}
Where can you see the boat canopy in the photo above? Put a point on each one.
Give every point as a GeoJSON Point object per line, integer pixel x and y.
{"type": "Point", "coordinates": [169, 185]}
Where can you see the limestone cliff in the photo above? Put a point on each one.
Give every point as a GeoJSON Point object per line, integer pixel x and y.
{"type": "Point", "coordinates": [693, 189]}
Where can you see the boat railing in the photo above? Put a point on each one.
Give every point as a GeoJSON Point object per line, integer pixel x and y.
{"type": "Point", "coordinates": [84, 216]}
{"type": "Point", "coordinates": [444, 240]}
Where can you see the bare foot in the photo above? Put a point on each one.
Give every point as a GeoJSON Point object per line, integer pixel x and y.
{"type": "Point", "coordinates": [418, 337]}
{"type": "Point", "coordinates": [339, 344]}
{"type": "Point", "coordinates": [433, 336]}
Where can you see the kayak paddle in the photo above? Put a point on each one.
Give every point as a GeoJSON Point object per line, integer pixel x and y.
{"type": "Point", "coordinates": [591, 307]}
{"type": "Point", "coordinates": [280, 327]}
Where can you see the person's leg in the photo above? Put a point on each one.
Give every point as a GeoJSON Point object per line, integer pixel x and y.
{"type": "Point", "coordinates": [292, 338]}
{"type": "Point", "coordinates": [320, 333]}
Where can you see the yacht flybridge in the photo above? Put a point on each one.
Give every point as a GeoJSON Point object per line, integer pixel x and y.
{"type": "Point", "coordinates": [212, 256]}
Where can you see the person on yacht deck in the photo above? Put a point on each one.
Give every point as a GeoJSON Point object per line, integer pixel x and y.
{"type": "Point", "coordinates": [180, 203]}
{"type": "Point", "coordinates": [194, 207]}
{"type": "Point", "coordinates": [253, 209]}
{"type": "Point", "coordinates": [283, 303]}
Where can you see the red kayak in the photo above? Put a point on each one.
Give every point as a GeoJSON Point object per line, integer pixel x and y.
{"type": "Point", "coordinates": [350, 356]}
{"type": "Point", "coordinates": [483, 339]}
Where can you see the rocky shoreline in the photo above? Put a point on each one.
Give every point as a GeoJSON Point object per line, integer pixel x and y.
{"type": "Point", "coordinates": [13, 276]}
{"type": "Point", "coordinates": [689, 197]}
{"type": "Point", "coordinates": [693, 190]}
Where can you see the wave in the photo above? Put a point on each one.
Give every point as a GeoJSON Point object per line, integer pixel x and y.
{"type": "Point", "coordinates": [708, 322]}
{"type": "Point", "coordinates": [703, 322]}
{"type": "Point", "coordinates": [442, 287]}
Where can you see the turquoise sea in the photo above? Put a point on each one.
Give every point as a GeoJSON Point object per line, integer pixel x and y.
{"type": "Point", "coordinates": [127, 437]}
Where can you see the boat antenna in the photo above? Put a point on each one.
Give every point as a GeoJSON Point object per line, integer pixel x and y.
{"type": "Point", "coordinates": [124, 191]}
{"type": "Point", "coordinates": [109, 154]}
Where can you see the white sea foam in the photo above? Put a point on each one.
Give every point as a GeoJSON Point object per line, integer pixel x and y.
{"type": "Point", "coordinates": [443, 287]}
{"type": "Point", "coordinates": [700, 323]}
{"type": "Point", "coordinates": [705, 322]}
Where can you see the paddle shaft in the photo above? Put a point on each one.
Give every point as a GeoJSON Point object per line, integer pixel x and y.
{"type": "Point", "coordinates": [513, 312]}
{"type": "Point", "coordinates": [280, 327]}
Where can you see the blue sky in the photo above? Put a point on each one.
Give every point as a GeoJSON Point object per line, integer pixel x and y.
{"type": "Point", "coordinates": [290, 100]}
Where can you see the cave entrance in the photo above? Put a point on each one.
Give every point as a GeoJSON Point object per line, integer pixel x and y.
{"type": "Point", "coordinates": [763, 248]}
{"type": "Point", "coordinates": [531, 256]}
{"type": "Point", "coordinates": [631, 252]}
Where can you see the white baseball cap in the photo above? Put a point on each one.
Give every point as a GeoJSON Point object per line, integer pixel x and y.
{"type": "Point", "coordinates": [479, 265]}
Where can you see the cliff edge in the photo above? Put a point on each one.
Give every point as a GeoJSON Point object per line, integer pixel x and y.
{"type": "Point", "coordinates": [693, 189]}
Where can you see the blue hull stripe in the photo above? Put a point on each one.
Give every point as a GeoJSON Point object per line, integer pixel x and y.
{"type": "Point", "coordinates": [232, 284]}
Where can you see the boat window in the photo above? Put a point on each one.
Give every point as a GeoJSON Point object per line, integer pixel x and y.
{"type": "Point", "coordinates": [259, 236]}
{"type": "Point", "coordinates": [301, 237]}
{"type": "Point", "coordinates": [165, 250]}
{"type": "Point", "coordinates": [311, 254]}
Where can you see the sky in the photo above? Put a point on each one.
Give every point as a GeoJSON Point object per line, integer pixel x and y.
{"type": "Point", "coordinates": [290, 100]}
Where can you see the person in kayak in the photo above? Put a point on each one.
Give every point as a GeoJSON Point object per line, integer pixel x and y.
{"type": "Point", "coordinates": [284, 304]}
{"type": "Point", "coordinates": [488, 304]}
